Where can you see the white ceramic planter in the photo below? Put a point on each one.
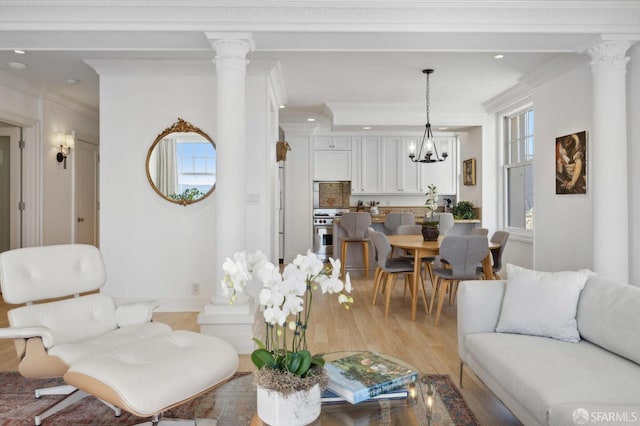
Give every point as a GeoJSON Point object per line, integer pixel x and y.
{"type": "Point", "coordinates": [298, 409]}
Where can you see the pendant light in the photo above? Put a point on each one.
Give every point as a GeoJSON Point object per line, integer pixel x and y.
{"type": "Point", "coordinates": [428, 152]}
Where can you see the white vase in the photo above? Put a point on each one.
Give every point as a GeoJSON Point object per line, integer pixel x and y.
{"type": "Point", "coordinates": [297, 409]}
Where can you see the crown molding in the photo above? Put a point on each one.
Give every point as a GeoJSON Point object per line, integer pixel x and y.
{"type": "Point", "coordinates": [25, 87]}
{"type": "Point", "coordinates": [491, 16]}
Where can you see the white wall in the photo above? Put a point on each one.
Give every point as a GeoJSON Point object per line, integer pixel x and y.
{"type": "Point", "coordinates": [298, 225]}
{"type": "Point", "coordinates": [563, 223]}
{"type": "Point", "coordinates": [57, 185]}
{"type": "Point", "coordinates": [471, 147]}
{"type": "Point", "coordinates": [633, 135]}
{"type": "Point", "coordinates": [49, 214]}
{"type": "Point", "coordinates": [152, 248]}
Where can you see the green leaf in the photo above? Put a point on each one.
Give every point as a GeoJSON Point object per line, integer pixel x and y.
{"type": "Point", "coordinates": [262, 358]}
{"type": "Point", "coordinates": [317, 360]}
{"type": "Point", "coordinates": [294, 362]}
{"type": "Point", "coordinates": [305, 363]}
{"type": "Point", "coordinates": [259, 342]}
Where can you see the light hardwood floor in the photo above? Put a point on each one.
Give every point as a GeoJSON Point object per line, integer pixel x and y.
{"type": "Point", "coordinates": [430, 349]}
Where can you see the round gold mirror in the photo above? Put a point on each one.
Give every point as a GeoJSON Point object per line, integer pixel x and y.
{"type": "Point", "coordinates": [181, 164]}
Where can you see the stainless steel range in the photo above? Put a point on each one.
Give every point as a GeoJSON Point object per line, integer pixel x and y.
{"type": "Point", "coordinates": [323, 231]}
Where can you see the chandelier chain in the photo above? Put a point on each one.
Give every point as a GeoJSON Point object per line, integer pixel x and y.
{"type": "Point", "coordinates": [428, 100]}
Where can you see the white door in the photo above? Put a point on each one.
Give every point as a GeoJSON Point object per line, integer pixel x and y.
{"type": "Point", "coordinates": [86, 194]}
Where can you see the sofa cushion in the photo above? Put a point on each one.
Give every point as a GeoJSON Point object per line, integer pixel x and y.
{"type": "Point", "coordinates": [609, 316]}
{"type": "Point", "coordinates": [546, 375]}
{"type": "Point", "coordinates": [541, 303]}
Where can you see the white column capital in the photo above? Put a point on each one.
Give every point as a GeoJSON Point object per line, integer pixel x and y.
{"type": "Point", "coordinates": [609, 56]}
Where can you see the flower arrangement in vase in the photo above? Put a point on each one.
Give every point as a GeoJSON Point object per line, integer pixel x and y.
{"type": "Point", "coordinates": [430, 231]}
{"type": "Point", "coordinates": [287, 371]}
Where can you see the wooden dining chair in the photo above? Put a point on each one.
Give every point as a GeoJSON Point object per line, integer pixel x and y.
{"type": "Point", "coordinates": [355, 225]}
{"type": "Point", "coordinates": [390, 268]}
{"type": "Point", "coordinates": [463, 253]}
{"type": "Point", "coordinates": [499, 237]}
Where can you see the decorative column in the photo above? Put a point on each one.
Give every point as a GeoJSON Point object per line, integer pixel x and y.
{"type": "Point", "coordinates": [234, 322]}
{"type": "Point", "coordinates": [608, 158]}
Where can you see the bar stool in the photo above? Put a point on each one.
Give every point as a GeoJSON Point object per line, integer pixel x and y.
{"type": "Point", "coordinates": [355, 225]}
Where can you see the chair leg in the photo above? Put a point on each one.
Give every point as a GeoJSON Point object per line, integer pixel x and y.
{"type": "Point", "coordinates": [444, 289]}
{"type": "Point", "coordinates": [378, 277]}
{"type": "Point", "coordinates": [71, 399]}
{"type": "Point", "coordinates": [343, 258]}
{"type": "Point", "coordinates": [388, 287]}
{"type": "Point", "coordinates": [434, 293]}
{"type": "Point", "coordinates": [365, 254]}
{"type": "Point", "coordinates": [461, 367]}
{"type": "Point", "coordinates": [454, 292]}
{"type": "Point", "coordinates": [424, 296]}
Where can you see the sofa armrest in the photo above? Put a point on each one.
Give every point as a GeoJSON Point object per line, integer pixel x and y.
{"type": "Point", "coordinates": [135, 313]}
{"type": "Point", "coordinates": [479, 305]}
{"type": "Point", "coordinates": [28, 332]}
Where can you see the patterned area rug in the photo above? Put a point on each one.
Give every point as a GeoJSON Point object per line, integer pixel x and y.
{"type": "Point", "coordinates": [18, 405]}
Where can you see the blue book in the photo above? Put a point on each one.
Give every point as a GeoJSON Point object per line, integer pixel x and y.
{"type": "Point", "coordinates": [365, 375]}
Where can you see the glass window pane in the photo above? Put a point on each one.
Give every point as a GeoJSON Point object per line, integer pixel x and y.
{"type": "Point", "coordinates": [529, 148]}
{"type": "Point", "coordinates": [513, 129]}
{"type": "Point", "coordinates": [199, 165]}
{"type": "Point", "coordinates": [529, 131]}
{"type": "Point", "coordinates": [520, 197]}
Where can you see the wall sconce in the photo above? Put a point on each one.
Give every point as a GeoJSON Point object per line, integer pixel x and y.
{"type": "Point", "coordinates": [65, 144]}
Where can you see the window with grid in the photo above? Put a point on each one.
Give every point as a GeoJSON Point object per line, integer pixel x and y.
{"type": "Point", "coordinates": [196, 165]}
{"type": "Point", "coordinates": [518, 135]}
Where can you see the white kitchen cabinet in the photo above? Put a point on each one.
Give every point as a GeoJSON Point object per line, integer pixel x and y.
{"type": "Point", "coordinates": [381, 166]}
{"type": "Point", "coordinates": [339, 143]}
{"type": "Point", "coordinates": [369, 166]}
{"type": "Point", "coordinates": [331, 165]}
{"type": "Point", "coordinates": [442, 174]}
{"type": "Point", "coordinates": [332, 158]}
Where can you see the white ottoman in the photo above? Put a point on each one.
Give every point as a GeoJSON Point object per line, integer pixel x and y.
{"type": "Point", "coordinates": [148, 378]}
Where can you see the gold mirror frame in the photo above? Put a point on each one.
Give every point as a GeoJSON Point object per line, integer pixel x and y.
{"type": "Point", "coordinates": [179, 126]}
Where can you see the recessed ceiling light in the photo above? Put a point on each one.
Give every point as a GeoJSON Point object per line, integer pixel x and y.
{"type": "Point", "coordinates": [19, 52]}
{"type": "Point", "coordinates": [73, 81]}
{"type": "Point", "coordinates": [442, 128]}
{"type": "Point", "coordinates": [311, 119]}
{"type": "Point", "coordinates": [282, 106]}
{"type": "Point", "coordinates": [498, 56]}
{"type": "Point", "coordinates": [367, 128]}
{"type": "Point", "coordinates": [17, 65]}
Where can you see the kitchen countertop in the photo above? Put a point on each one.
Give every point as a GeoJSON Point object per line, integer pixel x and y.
{"type": "Point", "coordinates": [379, 218]}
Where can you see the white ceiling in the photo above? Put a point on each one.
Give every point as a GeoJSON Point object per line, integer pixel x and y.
{"type": "Point", "coordinates": [356, 58]}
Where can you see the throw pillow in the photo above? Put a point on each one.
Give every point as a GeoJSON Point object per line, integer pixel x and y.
{"type": "Point", "coordinates": [542, 303]}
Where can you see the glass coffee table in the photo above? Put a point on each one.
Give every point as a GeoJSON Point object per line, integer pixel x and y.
{"type": "Point", "coordinates": [234, 404]}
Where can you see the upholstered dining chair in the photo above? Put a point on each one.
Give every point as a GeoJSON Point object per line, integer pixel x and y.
{"type": "Point", "coordinates": [390, 267]}
{"type": "Point", "coordinates": [355, 226]}
{"type": "Point", "coordinates": [445, 223]}
{"type": "Point", "coordinates": [393, 220]}
{"type": "Point", "coordinates": [114, 352]}
{"type": "Point", "coordinates": [500, 237]}
{"type": "Point", "coordinates": [479, 231]}
{"type": "Point", "coordinates": [463, 254]}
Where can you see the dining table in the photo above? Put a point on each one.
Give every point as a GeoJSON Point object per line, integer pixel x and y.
{"type": "Point", "coordinates": [421, 248]}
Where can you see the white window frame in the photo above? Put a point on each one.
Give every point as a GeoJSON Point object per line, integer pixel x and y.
{"type": "Point", "coordinates": [521, 234]}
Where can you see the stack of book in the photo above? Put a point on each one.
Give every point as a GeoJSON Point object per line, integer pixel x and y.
{"type": "Point", "coordinates": [367, 375]}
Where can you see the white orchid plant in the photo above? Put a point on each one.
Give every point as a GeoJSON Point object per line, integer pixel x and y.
{"type": "Point", "coordinates": [286, 299]}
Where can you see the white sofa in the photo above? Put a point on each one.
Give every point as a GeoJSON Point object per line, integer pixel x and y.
{"type": "Point", "coordinates": [545, 381]}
